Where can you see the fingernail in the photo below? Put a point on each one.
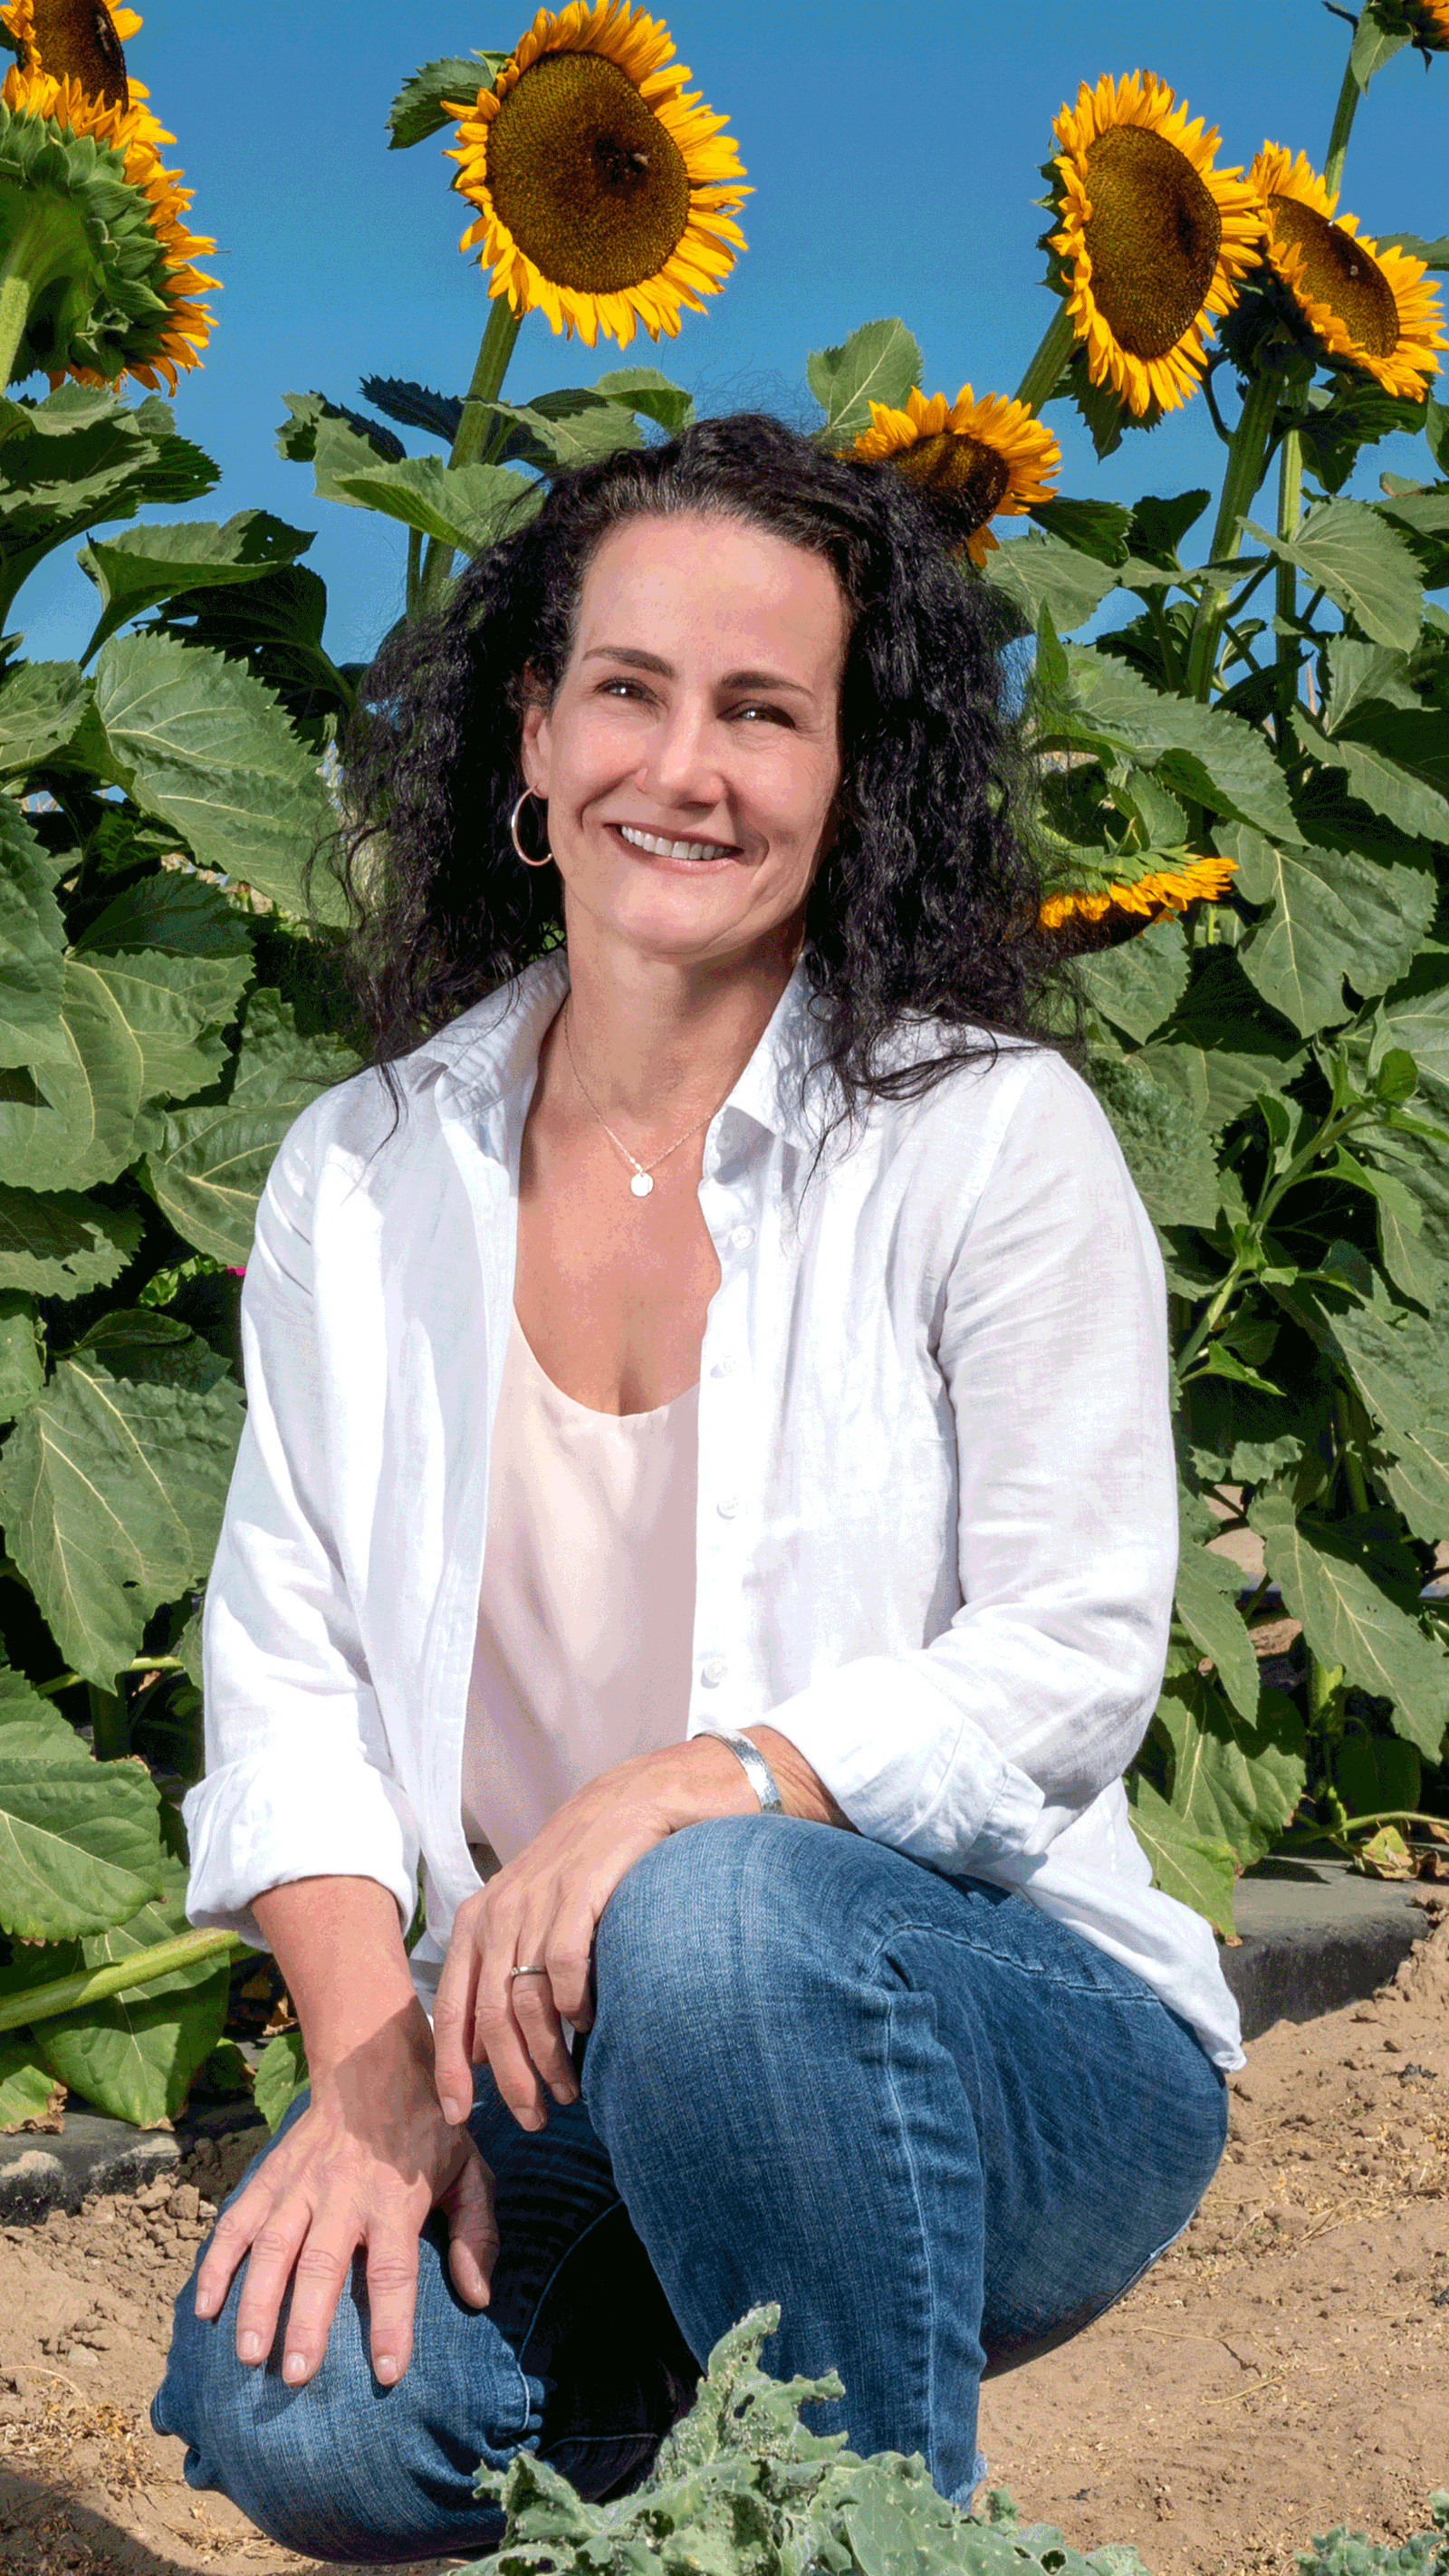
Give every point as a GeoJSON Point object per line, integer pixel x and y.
{"type": "Point", "coordinates": [451, 2112]}
{"type": "Point", "coordinates": [564, 2094]}
{"type": "Point", "coordinates": [295, 2366]}
{"type": "Point", "coordinates": [249, 2346]}
{"type": "Point", "coordinates": [205, 2303]}
{"type": "Point", "coordinates": [385, 2367]}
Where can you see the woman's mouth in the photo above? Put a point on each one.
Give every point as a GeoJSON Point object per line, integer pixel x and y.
{"type": "Point", "coordinates": [655, 846]}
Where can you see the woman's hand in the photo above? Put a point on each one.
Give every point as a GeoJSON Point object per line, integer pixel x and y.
{"type": "Point", "coordinates": [540, 1911]}
{"type": "Point", "coordinates": [364, 2165]}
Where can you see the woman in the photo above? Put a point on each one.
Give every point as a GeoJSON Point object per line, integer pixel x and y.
{"type": "Point", "coordinates": [707, 1493]}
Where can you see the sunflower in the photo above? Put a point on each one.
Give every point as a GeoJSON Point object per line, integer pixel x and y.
{"type": "Point", "coordinates": [1161, 890]}
{"type": "Point", "coordinates": [1368, 306]}
{"type": "Point", "coordinates": [77, 40]}
{"type": "Point", "coordinates": [1152, 239]}
{"type": "Point", "coordinates": [98, 262]}
{"type": "Point", "coordinates": [989, 458]}
{"type": "Point", "coordinates": [604, 194]}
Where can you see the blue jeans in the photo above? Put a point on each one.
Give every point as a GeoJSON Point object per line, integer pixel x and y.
{"type": "Point", "coordinates": [939, 2128]}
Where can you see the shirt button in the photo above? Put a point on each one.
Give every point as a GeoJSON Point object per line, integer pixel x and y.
{"type": "Point", "coordinates": [725, 1367]}
{"type": "Point", "coordinates": [742, 1236]}
{"type": "Point", "coordinates": [726, 1507]}
{"type": "Point", "coordinates": [713, 1673]}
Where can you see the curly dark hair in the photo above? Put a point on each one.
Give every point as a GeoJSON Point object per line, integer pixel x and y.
{"type": "Point", "coordinates": [927, 901]}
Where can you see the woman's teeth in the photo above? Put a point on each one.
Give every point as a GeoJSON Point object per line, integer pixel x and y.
{"type": "Point", "coordinates": [673, 849]}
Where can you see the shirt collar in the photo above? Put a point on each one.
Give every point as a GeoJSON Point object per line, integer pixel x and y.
{"type": "Point", "coordinates": [488, 1050]}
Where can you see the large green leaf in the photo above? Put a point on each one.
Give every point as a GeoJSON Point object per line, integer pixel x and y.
{"type": "Point", "coordinates": [878, 363]}
{"type": "Point", "coordinates": [1347, 550]}
{"type": "Point", "coordinates": [1042, 571]}
{"type": "Point", "coordinates": [646, 391]}
{"type": "Point", "coordinates": [75, 1123]}
{"type": "Point", "coordinates": [274, 625]}
{"type": "Point", "coordinates": [1138, 985]}
{"type": "Point", "coordinates": [175, 911]}
{"type": "Point", "coordinates": [1207, 1605]}
{"type": "Point", "coordinates": [1233, 1781]}
{"type": "Point", "coordinates": [280, 2076]}
{"type": "Point", "coordinates": [31, 1728]}
{"type": "Point", "coordinates": [1416, 1017]}
{"type": "Point", "coordinates": [22, 1358]}
{"type": "Point", "coordinates": [32, 942]}
{"type": "Point", "coordinates": [1398, 1365]}
{"type": "Point", "coordinates": [136, 2056]}
{"type": "Point", "coordinates": [1217, 760]}
{"type": "Point", "coordinates": [111, 1495]}
{"type": "Point", "coordinates": [1221, 1048]}
{"type": "Point", "coordinates": [136, 571]}
{"type": "Point", "coordinates": [205, 747]}
{"type": "Point", "coordinates": [1330, 914]}
{"type": "Point", "coordinates": [573, 427]}
{"type": "Point", "coordinates": [80, 1846]}
{"type": "Point", "coordinates": [42, 706]}
{"type": "Point", "coordinates": [1391, 761]}
{"type": "Point", "coordinates": [467, 506]}
{"type": "Point", "coordinates": [1350, 1619]}
{"type": "Point", "coordinates": [175, 1008]}
{"type": "Point", "coordinates": [1362, 675]}
{"type": "Point", "coordinates": [208, 1171]}
{"type": "Point", "coordinates": [151, 1349]}
{"type": "Point", "coordinates": [56, 1243]}
{"type": "Point", "coordinates": [1166, 1151]}
{"type": "Point", "coordinates": [1195, 1867]}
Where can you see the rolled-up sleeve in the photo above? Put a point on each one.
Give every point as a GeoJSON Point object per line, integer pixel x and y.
{"type": "Point", "coordinates": [297, 1778]}
{"type": "Point", "coordinates": [991, 1739]}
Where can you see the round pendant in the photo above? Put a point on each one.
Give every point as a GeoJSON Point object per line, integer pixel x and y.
{"type": "Point", "coordinates": [642, 1184]}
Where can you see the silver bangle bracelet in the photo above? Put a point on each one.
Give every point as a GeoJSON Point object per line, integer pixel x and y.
{"type": "Point", "coordinates": [756, 1770]}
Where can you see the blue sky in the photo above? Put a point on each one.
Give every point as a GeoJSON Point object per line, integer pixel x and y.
{"type": "Point", "coordinates": [894, 153]}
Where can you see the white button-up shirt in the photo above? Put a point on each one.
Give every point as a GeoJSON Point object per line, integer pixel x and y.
{"type": "Point", "coordinates": [936, 1529]}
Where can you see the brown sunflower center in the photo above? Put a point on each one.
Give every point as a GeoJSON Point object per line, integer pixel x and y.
{"type": "Point", "coordinates": [1153, 237]}
{"type": "Point", "coordinates": [76, 41]}
{"type": "Point", "coordinates": [965, 470]}
{"type": "Point", "coordinates": [587, 180]}
{"type": "Point", "coordinates": [1338, 271]}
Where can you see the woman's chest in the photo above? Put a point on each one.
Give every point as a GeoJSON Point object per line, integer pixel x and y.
{"type": "Point", "coordinates": [612, 1289]}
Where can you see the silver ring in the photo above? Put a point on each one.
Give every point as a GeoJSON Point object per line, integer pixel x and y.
{"type": "Point", "coordinates": [528, 1972]}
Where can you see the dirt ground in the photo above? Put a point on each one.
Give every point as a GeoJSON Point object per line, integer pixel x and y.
{"type": "Point", "coordinates": [1283, 2368]}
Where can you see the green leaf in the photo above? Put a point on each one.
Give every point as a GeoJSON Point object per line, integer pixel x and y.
{"type": "Point", "coordinates": [1194, 1867]}
{"type": "Point", "coordinates": [32, 942]}
{"type": "Point", "coordinates": [878, 363]}
{"type": "Point", "coordinates": [467, 506]}
{"type": "Point", "coordinates": [273, 625]}
{"type": "Point", "coordinates": [136, 2056]}
{"type": "Point", "coordinates": [174, 911]}
{"type": "Point", "coordinates": [1207, 1605]}
{"type": "Point", "coordinates": [1358, 675]}
{"type": "Point", "coordinates": [1416, 1016]}
{"type": "Point", "coordinates": [1378, 36]}
{"type": "Point", "coordinates": [1040, 572]}
{"type": "Point", "coordinates": [645, 390]}
{"type": "Point", "coordinates": [560, 430]}
{"type": "Point", "coordinates": [1347, 550]}
{"type": "Point", "coordinates": [135, 571]}
{"type": "Point", "coordinates": [76, 1123]}
{"type": "Point", "coordinates": [208, 1171]}
{"type": "Point", "coordinates": [175, 1008]}
{"type": "Point", "coordinates": [22, 1356]}
{"type": "Point", "coordinates": [1092, 527]}
{"type": "Point", "coordinates": [80, 1846]}
{"type": "Point", "coordinates": [1232, 1781]}
{"type": "Point", "coordinates": [1349, 1619]}
{"type": "Point", "coordinates": [1221, 1049]}
{"type": "Point", "coordinates": [280, 2075]}
{"type": "Point", "coordinates": [1397, 1364]}
{"type": "Point", "coordinates": [415, 405]}
{"type": "Point", "coordinates": [1157, 528]}
{"type": "Point", "coordinates": [42, 705]}
{"type": "Point", "coordinates": [27, 2092]}
{"type": "Point", "coordinates": [367, 441]}
{"type": "Point", "coordinates": [111, 1495]}
{"type": "Point", "coordinates": [210, 751]}
{"type": "Point", "coordinates": [420, 107]}
{"type": "Point", "coordinates": [56, 1243]}
{"type": "Point", "coordinates": [1329, 914]}
{"type": "Point", "coordinates": [1138, 985]}
{"type": "Point", "coordinates": [1166, 1151]}
{"type": "Point", "coordinates": [31, 1728]}
{"type": "Point", "coordinates": [151, 1349]}
{"type": "Point", "coordinates": [1216, 760]}
{"type": "Point", "coordinates": [1396, 784]}
{"type": "Point", "coordinates": [1434, 254]}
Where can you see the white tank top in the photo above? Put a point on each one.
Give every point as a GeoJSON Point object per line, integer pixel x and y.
{"type": "Point", "coordinates": [586, 1610]}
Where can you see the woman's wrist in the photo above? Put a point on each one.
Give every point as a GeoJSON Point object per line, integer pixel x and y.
{"type": "Point", "coordinates": [712, 1781]}
{"type": "Point", "coordinates": [338, 1944]}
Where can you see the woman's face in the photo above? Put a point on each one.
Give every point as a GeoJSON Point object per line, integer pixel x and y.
{"type": "Point", "coordinates": [691, 755]}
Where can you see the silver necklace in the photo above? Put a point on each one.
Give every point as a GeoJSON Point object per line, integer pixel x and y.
{"type": "Point", "coordinates": [642, 1182]}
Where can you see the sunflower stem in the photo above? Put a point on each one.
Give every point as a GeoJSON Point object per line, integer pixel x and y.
{"type": "Point", "coordinates": [1290, 496]}
{"type": "Point", "coordinates": [1343, 116]}
{"type": "Point", "coordinates": [119, 1977]}
{"type": "Point", "coordinates": [494, 351]}
{"type": "Point", "coordinates": [1040, 380]}
{"type": "Point", "coordinates": [1247, 457]}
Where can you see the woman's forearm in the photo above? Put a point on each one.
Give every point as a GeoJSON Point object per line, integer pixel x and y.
{"type": "Point", "coordinates": [340, 1949]}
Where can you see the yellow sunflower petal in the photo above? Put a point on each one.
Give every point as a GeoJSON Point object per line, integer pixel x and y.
{"type": "Point", "coordinates": [604, 193]}
{"type": "Point", "coordinates": [1151, 239]}
{"type": "Point", "coordinates": [1160, 891]}
{"type": "Point", "coordinates": [991, 459]}
{"type": "Point", "coordinates": [1369, 307]}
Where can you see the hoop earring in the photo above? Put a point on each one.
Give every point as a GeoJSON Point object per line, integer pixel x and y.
{"type": "Point", "coordinates": [547, 860]}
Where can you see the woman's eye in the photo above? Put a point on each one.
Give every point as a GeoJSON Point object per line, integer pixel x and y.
{"type": "Point", "coordinates": [766, 715]}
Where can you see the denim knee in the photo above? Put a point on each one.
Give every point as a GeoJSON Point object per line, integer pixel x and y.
{"type": "Point", "coordinates": [710, 1925]}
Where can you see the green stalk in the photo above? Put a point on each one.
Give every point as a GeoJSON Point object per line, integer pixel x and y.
{"type": "Point", "coordinates": [118, 1977]}
{"type": "Point", "coordinates": [110, 1725]}
{"type": "Point", "coordinates": [474, 433]}
{"type": "Point", "coordinates": [1290, 496]}
{"type": "Point", "coordinates": [1040, 380]}
{"type": "Point", "coordinates": [1242, 475]}
{"type": "Point", "coordinates": [1353, 1475]}
{"type": "Point", "coordinates": [1343, 116]}
{"type": "Point", "coordinates": [15, 292]}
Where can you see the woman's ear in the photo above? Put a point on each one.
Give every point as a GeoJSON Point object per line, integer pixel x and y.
{"type": "Point", "coordinates": [533, 747]}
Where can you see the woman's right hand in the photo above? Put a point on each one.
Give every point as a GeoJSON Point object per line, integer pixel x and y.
{"type": "Point", "coordinates": [366, 2162]}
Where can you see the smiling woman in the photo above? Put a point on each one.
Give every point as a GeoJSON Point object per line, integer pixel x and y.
{"type": "Point", "coordinates": [707, 1496]}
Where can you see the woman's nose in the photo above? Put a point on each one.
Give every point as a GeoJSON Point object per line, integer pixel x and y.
{"type": "Point", "coordinates": [683, 758]}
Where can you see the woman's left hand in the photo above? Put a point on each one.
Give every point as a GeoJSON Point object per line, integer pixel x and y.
{"type": "Point", "coordinates": [541, 1910]}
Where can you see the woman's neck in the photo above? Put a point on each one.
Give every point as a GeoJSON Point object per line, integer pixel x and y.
{"type": "Point", "coordinates": [653, 1040]}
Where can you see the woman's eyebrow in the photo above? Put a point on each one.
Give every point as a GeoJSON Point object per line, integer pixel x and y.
{"type": "Point", "coordinates": [641, 661]}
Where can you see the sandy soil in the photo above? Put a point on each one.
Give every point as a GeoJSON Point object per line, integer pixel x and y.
{"type": "Point", "coordinates": [1282, 2369]}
